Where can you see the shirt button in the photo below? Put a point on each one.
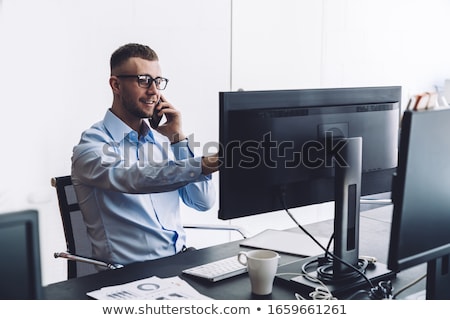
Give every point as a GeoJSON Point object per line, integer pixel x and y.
{"type": "Point", "coordinates": [192, 174]}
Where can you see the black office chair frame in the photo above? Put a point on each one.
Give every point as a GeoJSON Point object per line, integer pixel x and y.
{"type": "Point", "coordinates": [78, 248]}
{"type": "Point", "coordinates": [60, 184]}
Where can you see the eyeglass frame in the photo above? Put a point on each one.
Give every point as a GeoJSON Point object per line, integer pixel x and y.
{"type": "Point", "coordinates": [149, 78]}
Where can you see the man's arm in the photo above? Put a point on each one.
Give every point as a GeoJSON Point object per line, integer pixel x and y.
{"type": "Point", "coordinates": [199, 195]}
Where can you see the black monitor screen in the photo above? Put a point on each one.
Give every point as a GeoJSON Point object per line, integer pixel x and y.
{"type": "Point", "coordinates": [421, 198]}
{"type": "Point", "coordinates": [277, 141]}
{"type": "Point", "coordinates": [20, 269]}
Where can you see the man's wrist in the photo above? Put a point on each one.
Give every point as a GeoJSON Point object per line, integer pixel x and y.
{"type": "Point", "coordinates": [177, 138]}
{"type": "Point", "coordinates": [210, 164]}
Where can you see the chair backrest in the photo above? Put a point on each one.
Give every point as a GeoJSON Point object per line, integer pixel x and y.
{"type": "Point", "coordinates": [75, 232]}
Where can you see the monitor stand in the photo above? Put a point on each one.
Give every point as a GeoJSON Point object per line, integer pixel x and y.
{"type": "Point", "coordinates": [438, 278]}
{"type": "Point", "coordinates": [339, 276]}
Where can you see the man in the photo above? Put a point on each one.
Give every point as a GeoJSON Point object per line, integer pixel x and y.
{"type": "Point", "coordinates": [128, 177]}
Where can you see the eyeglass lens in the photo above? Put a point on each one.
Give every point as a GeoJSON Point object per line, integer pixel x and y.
{"type": "Point", "coordinates": [146, 82]}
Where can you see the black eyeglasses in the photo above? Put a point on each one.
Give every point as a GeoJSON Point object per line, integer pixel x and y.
{"type": "Point", "coordinates": [145, 80]}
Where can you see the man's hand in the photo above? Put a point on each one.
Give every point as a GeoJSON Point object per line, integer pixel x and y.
{"type": "Point", "coordinates": [172, 128]}
{"type": "Point", "coordinates": [210, 164]}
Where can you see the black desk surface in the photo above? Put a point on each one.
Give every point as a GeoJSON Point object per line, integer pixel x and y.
{"type": "Point", "coordinates": [374, 241]}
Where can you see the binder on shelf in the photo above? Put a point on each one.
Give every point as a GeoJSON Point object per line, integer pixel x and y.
{"type": "Point", "coordinates": [423, 101]}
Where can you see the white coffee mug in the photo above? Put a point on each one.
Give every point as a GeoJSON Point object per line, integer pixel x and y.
{"type": "Point", "coordinates": [262, 266]}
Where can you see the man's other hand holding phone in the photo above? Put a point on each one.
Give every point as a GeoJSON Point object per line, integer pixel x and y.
{"type": "Point", "coordinates": [172, 128]}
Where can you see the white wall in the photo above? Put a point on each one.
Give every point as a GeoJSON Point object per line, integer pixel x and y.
{"type": "Point", "coordinates": [54, 74]}
{"type": "Point", "coordinates": [334, 43]}
{"type": "Point", "coordinates": [54, 70]}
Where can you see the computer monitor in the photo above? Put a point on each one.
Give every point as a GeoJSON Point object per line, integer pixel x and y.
{"type": "Point", "coordinates": [276, 140]}
{"type": "Point", "coordinates": [20, 268]}
{"type": "Point", "coordinates": [280, 149]}
{"type": "Point", "coordinates": [421, 197]}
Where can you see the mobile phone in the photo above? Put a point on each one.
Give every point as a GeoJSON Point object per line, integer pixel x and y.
{"type": "Point", "coordinates": [155, 119]}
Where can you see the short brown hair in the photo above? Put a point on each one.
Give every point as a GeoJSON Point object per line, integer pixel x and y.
{"type": "Point", "coordinates": [132, 50]}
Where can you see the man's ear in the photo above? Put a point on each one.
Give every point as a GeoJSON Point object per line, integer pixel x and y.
{"type": "Point", "coordinates": [115, 84]}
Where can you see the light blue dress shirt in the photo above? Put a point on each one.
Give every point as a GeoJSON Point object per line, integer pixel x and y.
{"type": "Point", "coordinates": [129, 190]}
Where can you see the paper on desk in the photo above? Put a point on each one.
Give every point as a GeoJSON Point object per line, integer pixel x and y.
{"type": "Point", "coordinates": [152, 288]}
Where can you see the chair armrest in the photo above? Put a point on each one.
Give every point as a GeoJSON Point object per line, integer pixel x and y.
{"type": "Point", "coordinates": [242, 231]}
{"type": "Point", "coordinates": [86, 260]}
{"type": "Point", "coordinates": [380, 202]}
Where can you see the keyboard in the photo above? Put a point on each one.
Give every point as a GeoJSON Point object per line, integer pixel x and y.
{"type": "Point", "coordinates": [218, 270]}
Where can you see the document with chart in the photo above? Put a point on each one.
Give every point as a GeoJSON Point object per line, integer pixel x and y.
{"type": "Point", "coordinates": [152, 288]}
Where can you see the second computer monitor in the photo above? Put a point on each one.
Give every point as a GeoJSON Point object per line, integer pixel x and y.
{"type": "Point", "coordinates": [20, 262]}
{"type": "Point", "coordinates": [421, 196]}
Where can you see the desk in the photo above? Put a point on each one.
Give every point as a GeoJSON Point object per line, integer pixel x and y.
{"type": "Point", "coordinates": [374, 241]}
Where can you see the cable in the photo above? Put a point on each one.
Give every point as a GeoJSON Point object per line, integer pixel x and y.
{"type": "Point", "coordinates": [357, 293]}
{"type": "Point", "coordinates": [329, 245]}
{"type": "Point", "coordinates": [325, 271]}
{"type": "Point", "coordinates": [382, 291]}
{"type": "Point", "coordinates": [409, 285]}
{"type": "Point", "coordinates": [319, 293]}
{"type": "Point", "coordinates": [359, 271]}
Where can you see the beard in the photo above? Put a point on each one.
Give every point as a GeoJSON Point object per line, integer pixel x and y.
{"type": "Point", "coordinates": [132, 107]}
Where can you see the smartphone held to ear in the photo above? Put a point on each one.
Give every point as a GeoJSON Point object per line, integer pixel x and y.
{"type": "Point", "coordinates": [155, 119]}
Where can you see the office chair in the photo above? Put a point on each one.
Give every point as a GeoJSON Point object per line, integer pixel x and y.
{"type": "Point", "coordinates": [78, 244]}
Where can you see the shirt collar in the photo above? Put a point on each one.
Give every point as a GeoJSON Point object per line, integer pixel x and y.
{"type": "Point", "coordinates": [119, 130]}
{"type": "Point", "coordinates": [147, 133]}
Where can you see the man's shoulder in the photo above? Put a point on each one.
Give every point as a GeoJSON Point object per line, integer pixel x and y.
{"type": "Point", "coordinates": [97, 132]}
